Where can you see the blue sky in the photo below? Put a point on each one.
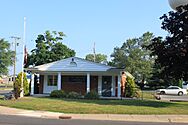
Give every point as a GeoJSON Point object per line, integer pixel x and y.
{"type": "Point", "coordinates": [108, 23]}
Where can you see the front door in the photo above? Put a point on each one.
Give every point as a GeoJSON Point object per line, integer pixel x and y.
{"type": "Point", "coordinates": [106, 86]}
{"type": "Point", "coordinates": [36, 84]}
{"type": "Point", "coordinates": [94, 83]}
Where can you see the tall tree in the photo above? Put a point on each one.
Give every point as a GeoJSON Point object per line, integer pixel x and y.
{"type": "Point", "coordinates": [134, 57]}
{"type": "Point", "coordinates": [49, 48]}
{"type": "Point", "coordinates": [6, 57]}
{"type": "Point", "coordinates": [172, 53]}
{"type": "Point", "coordinates": [99, 58]}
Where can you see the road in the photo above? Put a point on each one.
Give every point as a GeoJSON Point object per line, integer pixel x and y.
{"type": "Point", "coordinates": [174, 98]}
{"type": "Point", "coordinates": [2, 92]}
{"type": "Point", "coordinates": [18, 120]}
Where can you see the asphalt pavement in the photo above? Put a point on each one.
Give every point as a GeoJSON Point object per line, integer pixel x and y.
{"type": "Point", "coordinates": [2, 92]}
{"type": "Point", "coordinates": [174, 98]}
{"type": "Point", "coordinates": [20, 120]}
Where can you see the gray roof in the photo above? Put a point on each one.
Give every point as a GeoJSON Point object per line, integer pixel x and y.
{"type": "Point", "coordinates": [73, 64]}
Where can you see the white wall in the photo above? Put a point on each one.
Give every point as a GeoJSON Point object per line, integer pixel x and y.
{"type": "Point", "coordinates": [48, 89]}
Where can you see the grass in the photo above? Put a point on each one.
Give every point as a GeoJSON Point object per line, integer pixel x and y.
{"type": "Point", "coordinates": [148, 95]}
{"type": "Point", "coordinates": [98, 106]}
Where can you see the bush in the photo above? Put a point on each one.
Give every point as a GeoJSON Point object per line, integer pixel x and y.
{"type": "Point", "coordinates": [58, 94]}
{"type": "Point", "coordinates": [74, 95]}
{"type": "Point", "coordinates": [92, 95]}
{"type": "Point", "coordinates": [17, 85]}
{"type": "Point", "coordinates": [131, 88]}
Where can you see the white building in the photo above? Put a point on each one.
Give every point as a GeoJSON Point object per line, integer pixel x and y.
{"type": "Point", "coordinates": [78, 75]}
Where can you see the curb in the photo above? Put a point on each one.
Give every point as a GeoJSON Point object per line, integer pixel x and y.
{"type": "Point", "coordinates": [65, 117]}
{"type": "Point", "coordinates": [111, 117]}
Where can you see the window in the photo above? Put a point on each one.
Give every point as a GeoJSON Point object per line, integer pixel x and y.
{"type": "Point", "coordinates": [77, 79]}
{"type": "Point", "coordinates": [74, 79]}
{"type": "Point", "coordinates": [52, 80]}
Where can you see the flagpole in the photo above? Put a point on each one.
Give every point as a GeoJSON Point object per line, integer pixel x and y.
{"type": "Point", "coordinates": [22, 64]}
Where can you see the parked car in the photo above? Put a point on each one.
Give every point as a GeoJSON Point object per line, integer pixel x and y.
{"type": "Point", "coordinates": [172, 90]}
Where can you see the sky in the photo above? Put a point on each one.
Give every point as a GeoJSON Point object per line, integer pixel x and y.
{"type": "Point", "coordinates": [108, 23]}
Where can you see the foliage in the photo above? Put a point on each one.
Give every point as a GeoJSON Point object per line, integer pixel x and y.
{"type": "Point", "coordinates": [92, 95]}
{"type": "Point", "coordinates": [49, 48]}
{"type": "Point", "coordinates": [63, 94]}
{"type": "Point", "coordinates": [58, 94]}
{"type": "Point", "coordinates": [172, 53]}
{"type": "Point", "coordinates": [18, 82]}
{"type": "Point", "coordinates": [74, 95]}
{"type": "Point", "coordinates": [6, 57]}
{"type": "Point", "coordinates": [180, 83]}
{"type": "Point", "coordinates": [99, 58]}
{"type": "Point", "coordinates": [135, 58]}
{"type": "Point", "coordinates": [131, 88]}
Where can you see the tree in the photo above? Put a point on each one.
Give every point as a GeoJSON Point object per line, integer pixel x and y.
{"type": "Point", "coordinates": [99, 58]}
{"type": "Point", "coordinates": [172, 52]}
{"type": "Point", "coordinates": [49, 48]}
{"type": "Point", "coordinates": [17, 85]}
{"type": "Point", "coordinates": [134, 57]}
{"type": "Point", "coordinates": [6, 57]}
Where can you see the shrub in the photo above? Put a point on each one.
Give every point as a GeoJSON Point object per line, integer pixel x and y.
{"type": "Point", "coordinates": [131, 88]}
{"type": "Point", "coordinates": [74, 95]}
{"type": "Point", "coordinates": [92, 95]}
{"type": "Point", "coordinates": [17, 85]}
{"type": "Point", "coordinates": [58, 94]}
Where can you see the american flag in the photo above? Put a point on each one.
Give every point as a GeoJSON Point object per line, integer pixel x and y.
{"type": "Point", "coordinates": [25, 55]}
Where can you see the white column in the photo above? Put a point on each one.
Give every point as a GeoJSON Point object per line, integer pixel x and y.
{"type": "Point", "coordinates": [113, 86]}
{"type": "Point", "coordinates": [32, 84]}
{"type": "Point", "coordinates": [100, 85]}
{"type": "Point", "coordinates": [119, 86]}
{"type": "Point", "coordinates": [88, 83]}
{"type": "Point", "coordinates": [59, 81]}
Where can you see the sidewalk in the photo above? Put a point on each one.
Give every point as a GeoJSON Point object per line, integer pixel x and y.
{"type": "Point", "coordinates": [113, 117]}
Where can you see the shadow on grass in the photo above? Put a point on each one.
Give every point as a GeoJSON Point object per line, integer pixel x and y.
{"type": "Point", "coordinates": [147, 103]}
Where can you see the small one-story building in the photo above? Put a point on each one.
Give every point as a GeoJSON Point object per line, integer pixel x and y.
{"type": "Point", "coordinates": [78, 75]}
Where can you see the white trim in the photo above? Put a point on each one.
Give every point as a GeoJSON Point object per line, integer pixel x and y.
{"type": "Point", "coordinates": [113, 86]}
{"type": "Point", "coordinates": [32, 84]}
{"type": "Point", "coordinates": [119, 86]}
{"type": "Point", "coordinates": [100, 85]}
{"type": "Point", "coordinates": [59, 81]}
{"type": "Point", "coordinates": [88, 82]}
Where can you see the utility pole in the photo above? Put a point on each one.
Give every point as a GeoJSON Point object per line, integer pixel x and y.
{"type": "Point", "coordinates": [15, 44]}
{"type": "Point", "coordinates": [94, 54]}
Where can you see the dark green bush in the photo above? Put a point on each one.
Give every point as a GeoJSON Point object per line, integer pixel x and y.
{"type": "Point", "coordinates": [58, 94]}
{"type": "Point", "coordinates": [92, 95]}
{"type": "Point", "coordinates": [74, 95]}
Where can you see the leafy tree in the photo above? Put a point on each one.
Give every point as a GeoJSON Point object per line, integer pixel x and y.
{"type": "Point", "coordinates": [6, 57]}
{"type": "Point", "coordinates": [172, 53]}
{"type": "Point", "coordinates": [134, 57]}
{"type": "Point", "coordinates": [17, 84]}
{"type": "Point", "coordinates": [99, 58]}
{"type": "Point", "coordinates": [49, 48]}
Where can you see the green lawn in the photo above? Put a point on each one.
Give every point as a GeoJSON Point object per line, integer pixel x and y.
{"type": "Point", "coordinates": [147, 95]}
{"type": "Point", "coordinates": [99, 106]}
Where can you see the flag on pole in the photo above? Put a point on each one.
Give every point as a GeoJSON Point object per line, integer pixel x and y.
{"type": "Point", "coordinates": [25, 55]}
